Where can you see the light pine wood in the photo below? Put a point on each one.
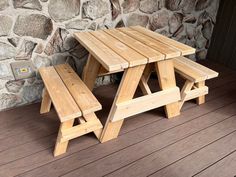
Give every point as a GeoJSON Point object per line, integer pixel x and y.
{"type": "Point", "coordinates": [90, 72]}
{"type": "Point", "coordinates": [198, 67]}
{"type": "Point", "coordinates": [188, 72]}
{"type": "Point", "coordinates": [166, 78]}
{"type": "Point", "coordinates": [130, 55]}
{"type": "Point", "coordinates": [168, 51]}
{"type": "Point", "coordinates": [79, 130]}
{"type": "Point", "coordinates": [143, 84]}
{"type": "Point", "coordinates": [145, 103]}
{"type": "Point", "coordinates": [196, 93]}
{"type": "Point", "coordinates": [46, 102]}
{"type": "Point", "coordinates": [141, 48]}
{"type": "Point", "coordinates": [102, 71]}
{"type": "Point", "coordinates": [61, 147]}
{"type": "Point", "coordinates": [110, 60]}
{"type": "Point", "coordinates": [200, 99]}
{"type": "Point", "coordinates": [126, 90]}
{"type": "Point", "coordinates": [62, 100]}
{"type": "Point", "coordinates": [188, 85]}
{"type": "Point", "coordinates": [184, 49]}
{"type": "Point", "coordinates": [79, 91]}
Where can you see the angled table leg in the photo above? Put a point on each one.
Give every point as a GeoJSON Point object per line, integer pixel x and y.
{"type": "Point", "coordinates": [90, 72]}
{"type": "Point", "coordinates": [143, 84]}
{"type": "Point", "coordinates": [126, 91]}
{"type": "Point", "coordinates": [166, 78]}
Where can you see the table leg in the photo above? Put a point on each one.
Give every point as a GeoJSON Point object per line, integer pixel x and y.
{"type": "Point", "coordinates": [166, 78]}
{"type": "Point", "coordinates": [90, 72]}
{"type": "Point", "coordinates": [143, 83]}
{"type": "Point", "coordinates": [126, 91]}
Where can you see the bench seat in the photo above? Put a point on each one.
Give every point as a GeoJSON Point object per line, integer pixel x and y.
{"type": "Point", "coordinates": [72, 100]}
{"type": "Point", "coordinates": [195, 75]}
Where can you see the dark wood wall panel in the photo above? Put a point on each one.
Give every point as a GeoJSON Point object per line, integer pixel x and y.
{"type": "Point", "coordinates": [223, 44]}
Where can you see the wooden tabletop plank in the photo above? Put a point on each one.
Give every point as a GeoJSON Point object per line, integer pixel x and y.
{"type": "Point", "coordinates": [145, 50]}
{"type": "Point", "coordinates": [185, 49]}
{"type": "Point", "coordinates": [64, 104]}
{"type": "Point", "coordinates": [110, 60]}
{"type": "Point", "coordinates": [168, 51]}
{"type": "Point", "coordinates": [79, 91]}
{"type": "Point", "coordinates": [131, 56]}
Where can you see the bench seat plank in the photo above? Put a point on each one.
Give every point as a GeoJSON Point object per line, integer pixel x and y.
{"type": "Point", "coordinates": [64, 104]}
{"type": "Point", "coordinates": [110, 60]}
{"type": "Point", "coordinates": [184, 49]}
{"type": "Point", "coordinates": [167, 50]}
{"type": "Point", "coordinates": [79, 91]}
{"type": "Point", "coordinates": [202, 69]}
{"type": "Point", "coordinates": [145, 50]}
{"type": "Point", "coordinates": [131, 56]}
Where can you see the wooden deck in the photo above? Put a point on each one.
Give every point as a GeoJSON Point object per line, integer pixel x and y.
{"type": "Point", "coordinates": [200, 142]}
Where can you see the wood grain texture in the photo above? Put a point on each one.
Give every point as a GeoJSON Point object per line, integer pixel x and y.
{"type": "Point", "coordinates": [84, 98]}
{"type": "Point", "coordinates": [65, 105]}
{"type": "Point", "coordinates": [130, 55]}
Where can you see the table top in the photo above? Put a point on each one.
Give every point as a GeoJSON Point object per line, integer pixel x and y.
{"type": "Point", "coordinates": [120, 48]}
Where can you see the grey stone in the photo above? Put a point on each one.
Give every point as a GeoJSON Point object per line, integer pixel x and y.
{"type": "Point", "coordinates": [93, 26]}
{"type": "Point", "coordinates": [213, 9]}
{"type": "Point", "coordinates": [200, 40]}
{"type": "Point", "coordinates": [201, 55]}
{"type": "Point", "coordinates": [175, 22]}
{"type": "Point", "coordinates": [190, 43]}
{"type": "Point", "coordinates": [207, 29]}
{"type": "Point", "coordinates": [25, 50]}
{"type": "Point", "coordinates": [55, 45]}
{"type": "Point", "coordinates": [79, 51]}
{"type": "Point", "coordinates": [159, 20]}
{"type": "Point", "coordinates": [179, 31]}
{"type": "Point", "coordinates": [41, 61]}
{"type": "Point", "coordinates": [8, 100]}
{"type": "Point", "coordinates": [190, 31]}
{"type": "Point", "coordinates": [130, 5]}
{"type": "Point", "coordinates": [70, 43]}
{"type": "Point", "coordinates": [6, 51]}
{"type": "Point", "coordinates": [137, 19]}
{"type": "Point", "coordinates": [188, 6]}
{"type": "Point", "coordinates": [14, 41]}
{"type": "Point", "coordinates": [5, 70]}
{"type": "Point", "coordinates": [120, 24]}
{"type": "Point", "coordinates": [35, 25]}
{"type": "Point", "coordinates": [115, 8]}
{"type": "Point", "coordinates": [172, 5]}
{"type": "Point", "coordinates": [59, 58]}
{"type": "Point", "coordinates": [4, 4]}
{"type": "Point", "coordinates": [94, 9]}
{"type": "Point", "coordinates": [149, 6]}
{"type": "Point", "coordinates": [62, 10]}
{"type": "Point", "coordinates": [77, 24]}
{"type": "Point", "coordinates": [5, 25]}
{"type": "Point", "coordinates": [189, 19]}
{"type": "Point", "coordinates": [202, 4]}
{"type": "Point", "coordinates": [44, 0]}
{"type": "Point", "coordinates": [14, 86]}
{"type": "Point", "coordinates": [204, 16]}
{"type": "Point", "coordinates": [39, 48]}
{"type": "Point", "coordinates": [32, 92]}
{"type": "Point", "coordinates": [164, 32]}
{"type": "Point", "coordinates": [27, 4]}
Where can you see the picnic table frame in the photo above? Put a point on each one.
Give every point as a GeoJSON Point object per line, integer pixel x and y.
{"type": "Point", "coordinates": [136, 51]}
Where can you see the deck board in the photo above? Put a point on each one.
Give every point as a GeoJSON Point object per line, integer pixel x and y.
{"type": "Point", "coordinates": [145, 140]}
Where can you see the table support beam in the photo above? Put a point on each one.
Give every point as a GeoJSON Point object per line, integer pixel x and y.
{"type": "Point", "coordinates": [126, 91]}
{"type": "Point", "coordinates": [166, 78]}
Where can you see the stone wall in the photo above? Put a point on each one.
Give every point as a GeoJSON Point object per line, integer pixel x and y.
{"type": "Point", "coordinates": [36, 33]}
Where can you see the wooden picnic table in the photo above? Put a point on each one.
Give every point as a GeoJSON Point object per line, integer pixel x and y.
{"type": "Point", "coordinates": [133, 50]}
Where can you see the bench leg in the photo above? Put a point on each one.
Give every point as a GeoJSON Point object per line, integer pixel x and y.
{"type": "Point", "coordinates": [166, 78]}
{"type": "Point", "coordinates": [126, 91]}
{"type": "Point", "coordinates": [61, 147]}
{"type": "Point", "coordinates": [90, 72]}
{"type": "Point", "coordinates": [46, 102]}
{"type": "Point", "coordinates": [186, 88]}
{"type": "Point", "coordinates": [201, 99]}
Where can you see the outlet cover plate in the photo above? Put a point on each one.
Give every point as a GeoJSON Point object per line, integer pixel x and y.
{"type": "Point", "coordinates": [23, 69]}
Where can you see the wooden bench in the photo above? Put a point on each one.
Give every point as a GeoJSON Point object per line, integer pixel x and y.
{"type": "Point", "coordinates": [195, 75]}
{"type": "Point", "coordinates": [72, 100]}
